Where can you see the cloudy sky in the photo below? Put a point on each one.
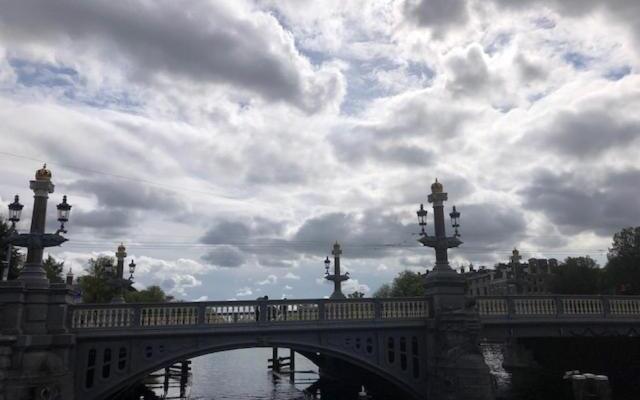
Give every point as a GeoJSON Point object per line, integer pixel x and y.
{"type": "Point", "coordinates": [229, 143]}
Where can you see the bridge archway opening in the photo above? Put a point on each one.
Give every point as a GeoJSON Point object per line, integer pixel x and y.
{"type": "Point", "coordinates": [362, 373]}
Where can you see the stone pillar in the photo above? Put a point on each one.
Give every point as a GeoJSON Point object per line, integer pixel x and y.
{"type": "Point", "coordinates": [443, 285]}
{"type": "Point", "coordinates": [455, 365]}
{"type": "Point", "coordinates": [32, 273]}
{"type": "Point", "coordinates": [337, 278]}
{"type": "Point", "coordinates": [337, 283]}
{"type": "Point", "coordinates": [120, 256]}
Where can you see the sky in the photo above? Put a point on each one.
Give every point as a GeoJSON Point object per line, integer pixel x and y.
{"type": "Point", "coordinates": [229, 144]}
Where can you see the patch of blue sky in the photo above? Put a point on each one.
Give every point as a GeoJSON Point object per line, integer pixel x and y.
{"type": "Point", "coordinates": [617, 73]}
{"type": "Point", "coordinates": [578, 60]}
{"type": "Point", "coordinates": [111, 99]}
{"type": "Point", "coordinates": [421, 71]}
{"type": "Point", "coordinates": [543, 22]}
{"type": "Point", "coordinates": [501, 40]}
{"type": "Point", "coordinates": [66, 83]}
{"type": "Point", "coordinates": [37, 74]}
{"type": "Point", "coordinates": [364, 87]}
{"type": "Point", "coordinates": [535, 97]}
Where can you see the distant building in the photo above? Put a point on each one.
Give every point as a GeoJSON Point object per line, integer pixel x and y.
{"type": "Point", "coordinates": [512, 278]}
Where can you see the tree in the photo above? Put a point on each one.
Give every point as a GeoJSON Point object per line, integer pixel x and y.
{"type": "Point", "coordinates": [577, 275]}
{"type": "Point", "coordinates": [623, 266]}
{"type": "Point", "coordinates": [96, 286]}
{"type": "Point", "coordinates": [17, 259]}
{"type": "Point", "coordinates": [383, 291]}
{"type": "Point", "coordinates": [355, 295]}
{"type": "Point", "coordinates": [152, 294]}
{"type": "Point", "coordinates": [406, 284]}
{"type": "Point", "coordinates": [53, 269]}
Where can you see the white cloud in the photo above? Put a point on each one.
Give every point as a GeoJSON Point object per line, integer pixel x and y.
{"type": "Point", "coordinates": [353, 285]}
{"type": "Point", "coordinates": [332, 120]}
{"type": "Point", "coordinates": [244, 291]}
{"type": "Point", "coordinates": [269, 280]}
{"type": "Point", "coordinates": [292, 276]}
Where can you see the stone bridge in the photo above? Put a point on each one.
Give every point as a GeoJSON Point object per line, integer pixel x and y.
{"type": "Point", "coordinates": [422, 348]}
{"type": "Point", "coordinates": [393, 340]}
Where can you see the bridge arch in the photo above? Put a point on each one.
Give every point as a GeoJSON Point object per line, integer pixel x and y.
{"type": "Point", "coordinates": [139, 371]}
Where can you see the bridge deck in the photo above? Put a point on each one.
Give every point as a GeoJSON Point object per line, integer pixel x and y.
{"type": "Point", "coordinates": [492, 310]}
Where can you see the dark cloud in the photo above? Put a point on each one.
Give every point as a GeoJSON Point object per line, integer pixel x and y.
{"type": "Point", "coordinates": [529, 71]}
{"type": "Point", "coordinates": [199, 42]}
{"type": "Point", "coordinates": [227, 232]}
{"type": "Point", "coordinates": [225, 256]}
{"type": "Point", "coordinates": [104, 220]}
{"type": "Point", "coordinates": [586, 134]}
{"type": "Point", "coordinates": [438, 15]}
{"type": "Point", "coordinates": [371, 234]}
{"type": "Point", "coordinates": [490, 226]}
{"type": "Point", "coordinates": [124, 194]}
{"type": "Point", "coordinates": [237, 232]}
{"type": "Point", "coordinates": [577, 203]}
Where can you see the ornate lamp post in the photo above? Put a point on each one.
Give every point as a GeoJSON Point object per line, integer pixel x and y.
{"type": "Point", "coordinates": [336, 278]}
{"type": "Point", "coordinates": [442, 282]}
{"type": "Point", "coordinates": [36, 240]}
{"type": "Point", "coordinates": [117, 276]}
{"type": "Point", "coordinates": [15, 210]}
{"type": "Point", "coordinates": [132, 269]}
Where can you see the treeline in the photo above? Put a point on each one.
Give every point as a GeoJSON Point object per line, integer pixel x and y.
{"type": "Point", "coordinates": [575, 275]}
{"type": "Point", "coordinates": [97, 286]}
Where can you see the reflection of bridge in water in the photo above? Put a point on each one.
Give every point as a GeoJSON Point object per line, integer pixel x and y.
{"type": "Point", "coordinates": [422, 348]}
{"type": "Point", "coordinates": [387, 338]}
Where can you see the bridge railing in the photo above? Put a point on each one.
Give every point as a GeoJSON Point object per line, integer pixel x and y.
{"type": "Point", "coordinates": [222, 313]}
{"type": "Point", "coordinates": [513, 307]}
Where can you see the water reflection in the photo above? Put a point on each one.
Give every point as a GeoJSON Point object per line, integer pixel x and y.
{"type": "Point", "coordinates": [243, 374]}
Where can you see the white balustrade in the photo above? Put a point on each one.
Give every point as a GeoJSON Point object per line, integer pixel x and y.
{"type": "Point", "coordinates": [230, 314]}
{"type": "Point", "coordinates": [404, 309]}
{"type": "Point", "coordinates": [293, 312]}
{"type": "Point", "coordinates": [534, 307]}
{"type": "Point", "coordinates": [164, 316]}
{"type": "Point", "coordinates": [581, 306]}
{"type": "Point", "coordinates": [101, 318]}
{"type": "Point", "coordinates": [624, 307]}
{"type": "Point", "coordinates": [492, 307]}
{"type": "Point", "coordinates": [348, 311]}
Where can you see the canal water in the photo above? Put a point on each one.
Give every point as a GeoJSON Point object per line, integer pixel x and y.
{"type": "Point", "coordinates": [243, 375]}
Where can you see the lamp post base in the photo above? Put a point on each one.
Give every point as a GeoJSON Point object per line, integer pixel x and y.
{"type": "Point", "coordinates": [33, 275]}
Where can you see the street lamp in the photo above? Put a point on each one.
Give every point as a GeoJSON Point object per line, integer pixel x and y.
{"type": "Point", "coordinates": [454, 221]}
{"type": "Point", "coordinates": [422, 219]}
{"type": "Point", "coordinates": [326, 265]}
{"type": "Point", "coordinates": [15, 210]}
{"type": "Point", "coordinates": [37, 240]}
{"type": "Point", "coordinates": [63, 213]}
{"type": "Point", "coordinates": [132, 269]}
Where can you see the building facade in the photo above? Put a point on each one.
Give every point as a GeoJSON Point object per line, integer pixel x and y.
{"type": "Point", "coordinates": [513, 278]}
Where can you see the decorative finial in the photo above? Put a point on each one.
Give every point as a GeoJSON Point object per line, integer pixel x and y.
{"type": "Point", "coordinates": [437, 187]}
{"type": "Point", "coordinates": [43, 174]}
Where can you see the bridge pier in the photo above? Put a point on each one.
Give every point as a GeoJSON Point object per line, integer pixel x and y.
{"type": "Point", "coordinates": [36, 351]}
